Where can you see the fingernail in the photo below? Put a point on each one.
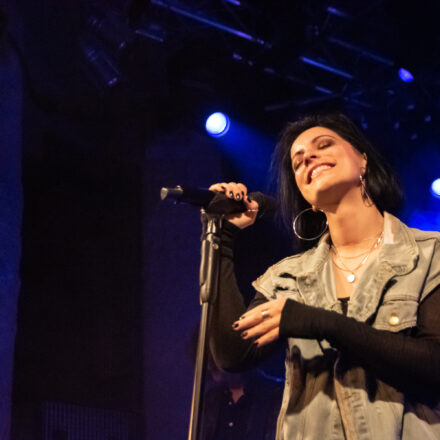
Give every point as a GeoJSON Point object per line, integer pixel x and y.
{"type": "Point", "coordinates": [235, 325]}
{"type": "Point", "coordinates": [255, 343]}
{"type": "Point", "coordinates": [242, 317]}
{"type": "Point", "coordinates": [231, 193]}
{"type": "Point", "coordinates": [243, 335]}
{"type": "Point", "coordinates": [238, 196]}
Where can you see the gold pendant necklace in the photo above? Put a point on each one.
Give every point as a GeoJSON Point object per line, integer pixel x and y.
{"type": "Point", "coordinates": [351, 277]}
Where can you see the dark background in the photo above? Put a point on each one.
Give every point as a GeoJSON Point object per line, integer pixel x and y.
{"type": "Point", "coordinates": [109, 99]}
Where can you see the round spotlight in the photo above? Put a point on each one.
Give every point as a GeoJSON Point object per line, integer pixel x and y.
{"type": "Point", "coordinates": [435, 188]}
{"type": "Point", "coordinates": [405, 75]}
{"type": "Point", "coordinates": [217, 124]}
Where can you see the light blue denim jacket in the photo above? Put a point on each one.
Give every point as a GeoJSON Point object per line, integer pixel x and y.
{"type": "Point", "coordinates": [324, 397]}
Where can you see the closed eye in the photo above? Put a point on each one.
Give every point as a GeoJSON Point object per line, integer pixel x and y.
{"type": "Point", "coordinates": [325, 144]}
{"type": "Point", "coordinates": [296, 165]}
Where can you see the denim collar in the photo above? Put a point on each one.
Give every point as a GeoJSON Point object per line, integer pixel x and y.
{"type": "Point", "coordinates": [399, 250]}
{"type": "Point", "coordinates": [398, 255]}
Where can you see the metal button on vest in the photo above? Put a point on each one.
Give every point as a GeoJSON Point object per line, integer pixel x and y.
{"type": "Point", "coordinates": [394, 319]}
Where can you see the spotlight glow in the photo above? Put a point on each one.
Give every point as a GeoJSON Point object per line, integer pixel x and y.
{"type": "Point", "coordinates": [217, 124]}
{"type": "Point", "coordinates": [435, 188]}
{"type": "Point", "coordinates": [405, 75]}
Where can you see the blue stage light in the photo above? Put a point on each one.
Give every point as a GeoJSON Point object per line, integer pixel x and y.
{"type": "Point", "coordinates": [405, 75]}
{"type": "Point", "coordinates": [217, 124]}
{"type": "Point", "coordinates": [435, 188]}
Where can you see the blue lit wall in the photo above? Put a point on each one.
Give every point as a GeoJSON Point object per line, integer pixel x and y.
{"type": "Point", "coordinates": [248, 151]}
{"type": "Point", "coordinates": [417, 171]}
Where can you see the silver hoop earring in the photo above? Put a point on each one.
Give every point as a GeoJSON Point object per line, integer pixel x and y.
{"type": "Point", "coordinates": [296, 232]}
{"type": "Point", "coordinates": [363, 191]}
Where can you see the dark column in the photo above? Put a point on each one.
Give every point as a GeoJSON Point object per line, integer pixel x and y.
{"type": "Point", "coordinates": [10, 220]}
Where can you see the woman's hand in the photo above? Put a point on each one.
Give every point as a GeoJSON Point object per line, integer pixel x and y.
{"type": "Point", "coordinates": [262, 323]}
{"type": "Point", "coordinates": [238, 192]}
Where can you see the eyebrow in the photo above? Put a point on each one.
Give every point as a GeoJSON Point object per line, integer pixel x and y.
{"type": "Point", "coordinates": [314, 140]}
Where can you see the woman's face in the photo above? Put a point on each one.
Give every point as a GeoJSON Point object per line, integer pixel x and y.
{"type": "Point", "coordinates": [326, 167]}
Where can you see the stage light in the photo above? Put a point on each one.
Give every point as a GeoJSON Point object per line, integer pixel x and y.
{"type": "Point", "coordinates": [435, 188]}
{"type": "Point", "coordinates": [325, 67]}
{"type": "Point", "coordinates": [405, 75]}
{"type": "Point", "coordinates": [111, 30]}
{"type": "Point", "coordinates": [152, 31]}
{"type": "Point", "coordinates": [103, 68]}
{"type": "Point", "coordinates": [217, 124]}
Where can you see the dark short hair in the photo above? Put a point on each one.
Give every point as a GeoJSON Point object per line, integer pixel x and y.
{"type": "Point", "coordinates": [381, 183]}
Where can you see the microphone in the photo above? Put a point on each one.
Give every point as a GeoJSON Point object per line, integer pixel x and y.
{"type": "Point", "coordinates": [217, 203]}
{"type": "Point", "coordinates": [194, 196]}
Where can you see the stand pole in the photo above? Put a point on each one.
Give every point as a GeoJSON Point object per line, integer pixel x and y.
{"type": "Point", "coordinates": [209, 272]}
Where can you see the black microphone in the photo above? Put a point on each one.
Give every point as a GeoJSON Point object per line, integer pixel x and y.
{"type": "Point", "coordinates": [217, 203]}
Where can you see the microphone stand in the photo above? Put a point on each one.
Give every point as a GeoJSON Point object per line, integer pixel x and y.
{"type": "Point", "coordinates": [209, 274]}
{"type": "Point", "coordinates": [218, 205]}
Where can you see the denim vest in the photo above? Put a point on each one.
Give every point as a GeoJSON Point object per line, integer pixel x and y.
{"type": "Point", "coordinates": [327, 398]}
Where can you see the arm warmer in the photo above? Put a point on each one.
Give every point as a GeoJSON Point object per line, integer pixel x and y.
{"type": "Point", "coordinates": [401, 358]}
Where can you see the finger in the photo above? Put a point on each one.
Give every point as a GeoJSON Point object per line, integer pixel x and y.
{"type": "Point", "coordinates": [234, 191]}
{"type": "Point", "coordinates": [244, 324]}
{"type": "Point", "coordinates": [229, 189]}
{"type": "Point", "coordinates": [272, 306]}
{"type": "Point", "coordinates": [256, 312]}
{"type": "Point", "coordinates": [241, 193]}
{"type": "Point", "coordinates": [219, 187]}
{"type": "Point", "coordinates": [261, 329]}
{"type": "Point", "coordinates": [251, 206]}
{"type": "Point", "coordinates": [254, 316]}
{"type": "Point", "coordinates": [267, 338]}
{"type": "Point", "coordinates": [250, 319]}
{"type": "Point", "coordinates": [254, 326]}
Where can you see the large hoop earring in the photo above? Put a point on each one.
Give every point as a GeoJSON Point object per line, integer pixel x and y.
{"type": "Point", "coordinates": [296, 232]}
{"type": "Point", "coordinates": [363, 190]}
{"type": "Point", "coordinates": [364, 194]}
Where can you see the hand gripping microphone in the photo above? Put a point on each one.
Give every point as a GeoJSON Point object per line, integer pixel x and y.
{"type": "Point", "coordinates": [215, 202]}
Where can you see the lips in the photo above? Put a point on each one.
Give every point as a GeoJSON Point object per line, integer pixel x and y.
{"type": "Point", "coordinates": [317, 169]}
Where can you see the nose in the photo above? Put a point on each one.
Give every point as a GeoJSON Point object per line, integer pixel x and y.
{"type": "Point", "coordinates": [309, 156]}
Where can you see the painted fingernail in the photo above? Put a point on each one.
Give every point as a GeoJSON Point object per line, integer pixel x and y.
{"type": "Point", "coordinates": [238, 196]}
{"type": "Point", "coordinates": [235, 325]}
{"type": "Point", "coordinates": [255, 343]}
{"type": "Point", "coordinates": [231, 193]}
{"type": "Point", "coordinates": [243, 335]}
{"type": "Point", "coordinates": [242, 317]}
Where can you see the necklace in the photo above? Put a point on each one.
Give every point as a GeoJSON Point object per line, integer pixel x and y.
{"type": "Point", "coordinates": [351, 277]}
{"type": "Point", "coordinates": [346, 257]}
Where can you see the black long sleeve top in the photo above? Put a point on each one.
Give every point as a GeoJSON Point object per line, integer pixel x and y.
{"type": "Point", "coordinates": [409, 359]}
